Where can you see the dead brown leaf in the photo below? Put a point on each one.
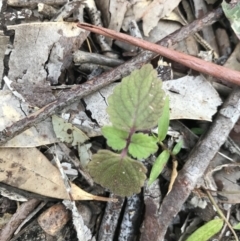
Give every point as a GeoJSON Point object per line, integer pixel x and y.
{"type": "Point", "coordinates": [30, 170]}
{"type": "Point", "coordinates": [173, 176]}
{"type": "Point", "coordinates": [155, 11]}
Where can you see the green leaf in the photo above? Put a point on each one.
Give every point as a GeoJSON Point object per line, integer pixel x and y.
{"type": "Point", "coordinates": [122, 176]}
{"type": "Point", "coordinates": [137, 102]}
{"type": "Point", "coordinates": [163, 122]}
{"type": "Point", "coordinates": [177, 148]}
{"type": "Point", "coordinates": [67, 132]}
{"type": "Point", "coordinates": [197, 130]}
{"type": "Point", "coordinates": [232, 12]}
{"type": "Point", "coordinates": [237, 226]}
{"type": "Point", "coordinates": [142, 145]}
{"type": "Point", "coordinates": [158, 166]}
{"type": "Point", "coordinates": [117, 139]}
{"type": "Point", "coordinates": [207, 231]}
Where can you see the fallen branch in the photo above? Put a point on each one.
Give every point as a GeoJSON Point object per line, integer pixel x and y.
{"type": "Point", "coordinates": [197, 64]}
{"type": "Point", "coordinates": [80, 57]}
{"type": "Point", "coordinates": [110, 219]}
{"type": "Point", "coordinates": [197, 162]}
{"type": "Point", "coordinates": [99, 82]}
{"type": "Point", "coordinates": [17, 218]}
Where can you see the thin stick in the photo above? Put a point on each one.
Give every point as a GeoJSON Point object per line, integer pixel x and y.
{"type": "Point", "coordinates": [200, 65]}
{"type": "Point", "coordinates": [16, 219]}
{"type": "Point", "coordinates": [219, 211]}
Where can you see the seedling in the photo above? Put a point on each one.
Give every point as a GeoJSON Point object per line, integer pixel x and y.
{"type": "Point", "coordinates": [134, 109]}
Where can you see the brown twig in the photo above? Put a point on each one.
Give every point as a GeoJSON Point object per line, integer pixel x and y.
{"type": "Point", "coordinates": [110, 219]}
{"type": "Point", "coordinates": [221, 214]}
{"type": "Point", "coordinates": [197, 64]}
{"type": "Point", "coordinates": [76, 162]}
{"type": "Point", "coordinates": [103, 80]}
{"type": "Point", "coordinates": [24, 210]}
{"type": "Point", "coordinates": [152, 201]}
{"type": "Point", "coordinates": [198, 161]}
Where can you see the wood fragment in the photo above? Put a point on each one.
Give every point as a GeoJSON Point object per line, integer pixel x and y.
{"type": "Point", "coordinates": [80, 57]}
{"type": "Point", "coordinates": [22, 212]}
{"type": "Point", "coordinates": [11, 17]}
{"type": "Point", "coordinates": [223, 42]}
{"type": "Point", "coordinates": [89, 68]}
{"type": "Point", "coordinates": [200, 8]}
{"type": "Point", "coordinates": [66, 11]}
{"type": "Point", "coordinates": [129, 48]}
{"type": "Point", "coordinates": [134, 29]}
{"type": "Point", "coordinates": [110, 219]}
{"type": "Point", "coordinates": [4, 41]}
{"type": "Point", "coordinates": [74, 160]}
{"type": "Point", "coordinates": [95, 17]}
{"type": "Point", "coordinates": [46, 10]}
{"type": "Point", "coordinates": [64, 177]}
{"type": "Point", "coordinates": [197, 36]}
{"type": "Point", "coordinates": [131, 218]}
{"type": "Point", "coordinates": [152, 200]}
{"type": "Point", "coordinates": [33, 3]}
{"type": "Point", "coordinates": [31, 215]}
{"type": "Point", "coordinates": [83, 232]}
{"type": "Point", "coordinates": [25, 194]}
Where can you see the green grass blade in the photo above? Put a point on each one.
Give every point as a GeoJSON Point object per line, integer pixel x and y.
{"type": "Point", "coordinates": [177, 148]}
{"type": "Point", "coordinates": [163, 122]}
{"type": "Point", "coordinates": [158, 166]}
{"type": "Point", "coordinates": [207, 231]}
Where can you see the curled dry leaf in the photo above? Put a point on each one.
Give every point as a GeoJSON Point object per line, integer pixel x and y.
{"type": "Point", "coordinates": [30, 170]}
{"type": "Point", "coordinates": [156, 10]}
{"type": "Point", "coordinates": [67, 132]}
{"type": "Point", "coordinates": [173, 176]}
{"type": "Point", "coordinates": [150, 12]}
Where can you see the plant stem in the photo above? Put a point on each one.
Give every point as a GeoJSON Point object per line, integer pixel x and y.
{"type": "Point", "coordinates": [128, 141]}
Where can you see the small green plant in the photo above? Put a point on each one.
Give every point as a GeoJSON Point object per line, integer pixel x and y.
{"type": "Point", "coordinates": [134, 108]}
{"type": "Point", "coordinates": [163, 158]}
